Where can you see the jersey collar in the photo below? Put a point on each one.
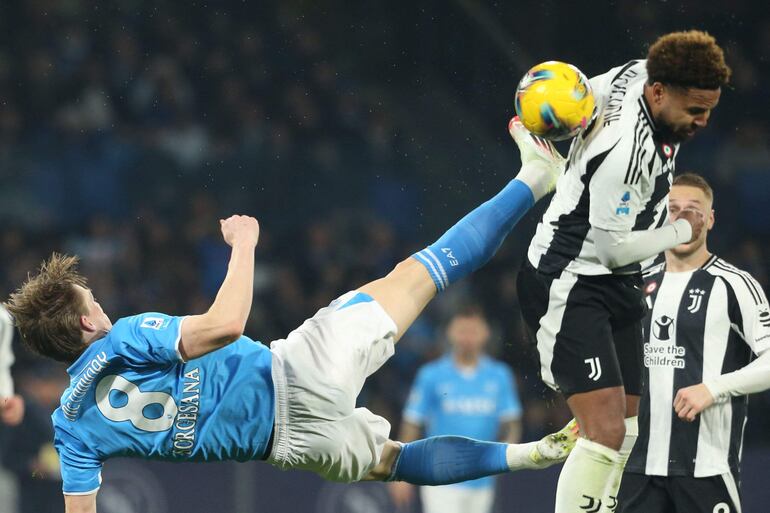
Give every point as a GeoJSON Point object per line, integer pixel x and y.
{"type": "Point", "coordinates": [713, 258]}
{"type": "Point", "coordinates": [710, 261]}
{"type": "Point", "coordinates": [647, 112]}
{"type": "Point", "coordinates": [77, 366]}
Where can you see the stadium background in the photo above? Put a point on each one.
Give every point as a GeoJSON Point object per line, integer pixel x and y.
{"type": "Point", "coordinates": [355, 132]}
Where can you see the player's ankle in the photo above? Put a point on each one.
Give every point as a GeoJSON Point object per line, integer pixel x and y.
{"type": "Point", "coordinates": [539, 176]}
{"type": "Point", "coordinates": [519, 456]}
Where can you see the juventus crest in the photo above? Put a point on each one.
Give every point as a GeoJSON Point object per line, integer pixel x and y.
{"type": "Point", "coordinates": [696, 300]}
{"type": "Point", "coordinates": [596, 368]}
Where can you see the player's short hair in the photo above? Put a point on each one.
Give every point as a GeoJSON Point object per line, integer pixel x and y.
{"type": "Point", "coordinates": [470, 310]}
{"type": "Point", "coordinates": [693, 180]}
{"type": "Point", "coordinates": [688, 59]}
{"type": "Point", "coordinates": [47, 309]}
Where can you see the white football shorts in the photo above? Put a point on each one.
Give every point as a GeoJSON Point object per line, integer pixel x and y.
{"type": "Point", "coordinates": [318, 372]}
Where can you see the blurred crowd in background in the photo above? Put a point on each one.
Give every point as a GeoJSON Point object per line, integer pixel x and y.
{"type": "Point", "coordinates": [354, 136]}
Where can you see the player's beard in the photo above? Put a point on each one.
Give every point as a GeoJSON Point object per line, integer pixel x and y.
{"type": "Point", "coordinates": [672, 134]}
{"type": "Point", "coordinates": [686, 250]}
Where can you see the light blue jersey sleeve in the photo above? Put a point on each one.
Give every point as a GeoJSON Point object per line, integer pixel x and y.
{"type": "Point", "coordinates": [509, 405]}
{"type": "Point", "coordinates": [421, 399]}
{"type": "Point", "coordinates": [81, 471]}
{"type": "Point", "coordinates": [148, 338]}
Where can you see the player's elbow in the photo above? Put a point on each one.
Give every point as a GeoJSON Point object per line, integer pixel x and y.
{"type": "Point", "coordinates": [609, 259]}
{"type": "Point", "coordinates": [80, 503]}
{"type": "Point", "coordinates": [232, 331]}
{"type": "Point", "coordinates": [610, 253]}
{"type": "Point", "coordinates": [225, 327]}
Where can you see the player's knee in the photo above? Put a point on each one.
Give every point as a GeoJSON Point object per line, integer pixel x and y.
{"type": "Point", "coordinates": [405, 266]}
{"type": "Point", "coordinates": [384, 467]}
{"type": "Point", "coordinates": [608, 432]}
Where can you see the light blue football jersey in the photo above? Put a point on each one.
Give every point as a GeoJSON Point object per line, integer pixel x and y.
{"type": "Point", "coordinates": [131, 394]}
{"type": "Point", "coordinates": [446, 401]}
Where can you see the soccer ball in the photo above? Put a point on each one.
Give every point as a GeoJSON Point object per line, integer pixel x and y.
{"type": "Point", "coordinates": [554, 100]}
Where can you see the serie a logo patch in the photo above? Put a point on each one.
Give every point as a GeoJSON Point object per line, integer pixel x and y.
{"type": "Point", "coordinates": [154, 323]}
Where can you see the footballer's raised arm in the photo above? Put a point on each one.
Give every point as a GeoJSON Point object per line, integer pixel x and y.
{"type": "Point", "coordinates": [80, 503]}
{"type": "Point", "coordinates": [225, 321]}
{"type": "Point", "coordinates": [619, 249]}
{"type": "Point", "coordinates": [622, 212]}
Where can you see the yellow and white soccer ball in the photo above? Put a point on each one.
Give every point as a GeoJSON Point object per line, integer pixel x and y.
{"type": "Point", "coordinates": [554, 100]}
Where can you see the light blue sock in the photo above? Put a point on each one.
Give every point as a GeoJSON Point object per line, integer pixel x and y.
{"type": "Point", "coordinates": [443, 460]}
{"type": "Point", "coordinates": [471, 242]}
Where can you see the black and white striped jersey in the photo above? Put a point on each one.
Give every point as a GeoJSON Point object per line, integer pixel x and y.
{"type": "Point", "coordinates": [701, 324]}
{"type": "Point", "coordinates": [617, 178]}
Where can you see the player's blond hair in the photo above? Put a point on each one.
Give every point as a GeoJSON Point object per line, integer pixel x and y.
{"type": "Point", "coordinates": [690, 59]}
{"type": "Point", "coordinates": [694, 180]}
{"type": "Point", "coordinates": [47, 309]}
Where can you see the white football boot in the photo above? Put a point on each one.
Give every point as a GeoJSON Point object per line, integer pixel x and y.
{"type": "Point", "coordinates": [555, 448]}
{"type": "Point", "coordinates": [541, 162]}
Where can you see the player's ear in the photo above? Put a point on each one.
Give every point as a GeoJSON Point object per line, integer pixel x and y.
{"type": "Point", "coordinates": [86, 324]}
{"type": "Point", "coordinates": [658, 92]}
{"type": "Point", "coordinates": [711, 220]}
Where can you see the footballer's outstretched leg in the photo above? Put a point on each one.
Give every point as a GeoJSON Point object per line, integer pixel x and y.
{"type": "Point", "coordinates": [405, 292]}
{"type": "Point", "coordinates": [441, 460]}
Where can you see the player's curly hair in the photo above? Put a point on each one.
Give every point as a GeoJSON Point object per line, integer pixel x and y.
{"type": "Point", "coordinates": [688, 59]}
{"type": "Point", "coordinates": [47, 309]}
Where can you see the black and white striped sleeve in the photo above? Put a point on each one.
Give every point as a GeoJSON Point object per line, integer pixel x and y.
{"type": "Point", "coordinates": [6, 353]}
{"type": "Point", "coordinates": [752, 316]}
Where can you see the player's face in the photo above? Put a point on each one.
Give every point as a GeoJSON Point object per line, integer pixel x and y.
{"type": "Point", "coordinates": [95, 313]}
{"type": "Point", "coordinates": [468, 335]}
{"type": "Point", "coordinates": [684, 197]}
{"type": "Point", "coordinates": [683, 112]}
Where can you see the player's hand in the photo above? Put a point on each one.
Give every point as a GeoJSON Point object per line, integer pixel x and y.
{"type": "Point", "coordinates": [696, 219]}
{"type": "Point", "coordinates": [402, 494]}
{"type": "Point", "coordinates": [692, 400]}
{"type": "Point", "coordinates": [240, 230]}
{"type": "Point", "coordinates": [12, 410]}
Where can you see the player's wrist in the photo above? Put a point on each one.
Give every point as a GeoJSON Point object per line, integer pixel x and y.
{"type": "Point", "coordinates": [717, 391]}
{"type": "Point", "coordinates": [244, 243]}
